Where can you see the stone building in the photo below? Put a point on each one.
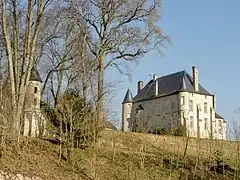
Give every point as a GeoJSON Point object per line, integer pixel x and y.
{"type": "Point", "coordinates": [170, 102]}
{"type": "Point", "coordinates": [34, 123]}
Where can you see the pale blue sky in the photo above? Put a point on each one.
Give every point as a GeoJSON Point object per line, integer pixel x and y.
{"type": "Point", "coordinates": [205, 33]}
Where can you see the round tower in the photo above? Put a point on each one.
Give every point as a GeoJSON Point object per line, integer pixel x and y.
{"type": "Point", "coordinates": [126, 110]}
{"type": "Point", "coordinates": [32, 110]}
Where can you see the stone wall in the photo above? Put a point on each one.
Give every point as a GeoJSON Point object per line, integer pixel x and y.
{"type": "Point", "coordinates": [157, 113]}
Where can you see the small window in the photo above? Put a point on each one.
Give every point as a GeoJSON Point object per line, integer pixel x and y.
{"type": "Point", "coordinates": [35, 89]}
{"type": "Point", "coordinates": [191, 122]}
{"type": "Point", "coordinates": [182, 100]}
{"type": "Point", "coordinates": [167, 107]}
{"type": "Point", "coordinates": [173, 107]}
{"type": "Point", "coordinates": [205, 123]}
{"type": "Point", "coordinates": [191, 105]}
{"type": "Point", "coordinates": [35, 102]}
{"type": "Point", "coordinates": [219, 123]}
{"type": "Point", "coordinates": [205, 107]}
{"type": "Point", "coordinates": [220, 131]}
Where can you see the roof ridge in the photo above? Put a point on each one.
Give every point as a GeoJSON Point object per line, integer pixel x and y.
{"type": "Point", "coordinates": [169, 84]}
{"type": "Point", "coordinates": [170, 74]}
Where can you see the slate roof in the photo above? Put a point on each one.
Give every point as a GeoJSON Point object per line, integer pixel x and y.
{"type": "Point", "coordinates": [128, 97]}
{"type": "Point", "coordinates": [35, 76]}
{"type": "Point", "coordinates": [220, 117]}
{"type": "Point", "coordinates": [170, 84]}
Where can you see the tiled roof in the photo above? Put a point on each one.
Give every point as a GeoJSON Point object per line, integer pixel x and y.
{"type": "Point", "coordinates": [128, 97]}
{"type": "Point", "coordinates": [170, 84]}
{"type": "Point", "coordinates": [35, 76]}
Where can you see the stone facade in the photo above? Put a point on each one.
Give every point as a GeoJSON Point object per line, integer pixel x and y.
{"type": "Point", "coordinates": [156, 113]}
{"type": "Point", "coordinates": [126, 114]}
{"type": "Point", "coordinates": [199, 112]}
{"type": "Point", "coordinates": [158, 105]}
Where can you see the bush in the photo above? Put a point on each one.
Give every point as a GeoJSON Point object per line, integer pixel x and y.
{"type": "Point", "coordinates": [160, 131]}
{"type": "Point", "coordinates": [181, 131]}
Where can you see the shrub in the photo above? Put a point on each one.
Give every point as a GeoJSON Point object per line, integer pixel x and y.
{"type": "Point", "coordinates": [181, 131]}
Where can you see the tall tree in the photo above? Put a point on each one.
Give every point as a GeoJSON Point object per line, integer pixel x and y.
{"type": "Point", "coordinates": [118, 30]}
{"type": "Point", "coordinates": [66, 59]}
{"type": "Point", "coordinates": [20, 24]}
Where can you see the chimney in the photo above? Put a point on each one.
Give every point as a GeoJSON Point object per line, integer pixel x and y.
{"type": "Point", "coordinates": [154, 77]}
{"type": "Point", "coordinates": [140, 86]}
{"type": "Point", "coordinates": [195, 78]}
{"type": "Point", "coordinates": [214, 101]}
{"type": "Point", "coordinates": [155, 81]}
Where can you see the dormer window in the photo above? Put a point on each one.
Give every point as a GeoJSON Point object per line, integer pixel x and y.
{"type": "Point", "coordinates": [35, 89]}
{"type": "Point", "coordinates": [139, 109]}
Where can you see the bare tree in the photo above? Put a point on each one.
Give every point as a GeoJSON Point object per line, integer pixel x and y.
{"type": "Point", "coordinates": [21, 35]}
{"type": "Point", "coordinates": [118, 30]}
{"type": "Point", "coordinates": [69, 63]}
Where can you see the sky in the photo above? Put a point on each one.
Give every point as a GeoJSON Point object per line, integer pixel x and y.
{"type": "Point", "coordinates": [204, 33]}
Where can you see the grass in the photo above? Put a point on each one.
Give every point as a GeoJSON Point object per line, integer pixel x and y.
{"type": "Point", "coordinates": [123, 156]}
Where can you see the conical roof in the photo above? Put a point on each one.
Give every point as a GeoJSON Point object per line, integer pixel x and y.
{"type": "Point", "coordinates": [35, 76]}
{"type": "Point", "coordinates": [128, 97]}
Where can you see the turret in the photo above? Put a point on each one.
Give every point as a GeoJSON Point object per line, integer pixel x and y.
{"type": "Point", "coordinates": [32, 111]}
{"type": "Point", "coordinates": [33, 93]}
{"type": "Point", "coordinates": [126, 110]}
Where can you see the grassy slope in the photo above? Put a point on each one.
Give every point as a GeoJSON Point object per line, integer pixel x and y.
{"type": "Point", "coordinates": [121, 156]}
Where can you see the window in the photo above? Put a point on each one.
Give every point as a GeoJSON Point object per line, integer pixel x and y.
{"type": "Point", "coordinates": [35, 89]}
{"type": "Point", "coordinates": [191, 106]}
{"type": "Point", "coordinates": [205, 123]}
{"type": "Point", "coordinates": [219, 123]}
{"type": "Point", "coordinates": [219, 126]}
{"type": "Point", "coordinates": [173, 107]}
{"type": "Point", "coordinates": [182, 100]}
{"type": "Point", "coordinates": [220, 131]}
{"type": "Point", "coordinates": [159, 108]}
{"type": "Point", "coordinates": [205, 107]}
{"type": "Point", "coordinates": [191, 122]}
{"type": "Point", "coordinates": [167, 107]}
{"type": "Point", "coordinates": [35, 102]}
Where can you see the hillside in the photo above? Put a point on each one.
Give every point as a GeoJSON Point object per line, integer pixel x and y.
{"type": "Point", "coordinates": [123, 156]}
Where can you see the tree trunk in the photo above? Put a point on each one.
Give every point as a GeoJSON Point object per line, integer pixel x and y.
{"type": "Point", "coordinates": [100, 101]}
{"type": "Point", "coordinates": [59, 86]}
{"type": "Point", "coordinates": [10, 62]}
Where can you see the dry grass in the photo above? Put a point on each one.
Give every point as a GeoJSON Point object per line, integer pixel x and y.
{"type": "Point", "coordinates": [34, 158]}
{"type": "Point", "coordinates": [122, 156]}
{"type": "Point", "coordinates": [171, 144]}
